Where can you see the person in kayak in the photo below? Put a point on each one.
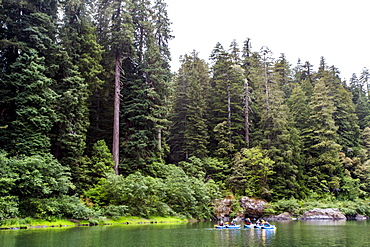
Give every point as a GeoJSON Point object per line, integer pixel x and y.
{"type": "Point", "coordinates": [221, 222]}
{"type": "Point", "coordinates": [233, 222]}
{"type": "Point", "coordinates": [248, 221]}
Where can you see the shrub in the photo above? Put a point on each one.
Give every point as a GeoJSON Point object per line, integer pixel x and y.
{"type": "Point", "coordinates": [34, 176]}
{"type": "Point", "coordinates": [60, 207]}
{"type": "Point", "coordinates": [8, 207]}
{"type": "Point", "coordinates": [292, 206]}
{"type": "Point", "coordinates": [114, 211]}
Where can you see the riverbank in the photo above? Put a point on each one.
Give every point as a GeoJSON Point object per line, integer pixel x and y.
{"type": "Point", "coordinates": [17, 224]}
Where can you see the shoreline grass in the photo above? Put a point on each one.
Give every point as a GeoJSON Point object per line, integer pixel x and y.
{"type": "Point", "coordinates": [15, 224]}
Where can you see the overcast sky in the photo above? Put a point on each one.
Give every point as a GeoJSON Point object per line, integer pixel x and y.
{"type": "Point", "coordinates": [339, 30]}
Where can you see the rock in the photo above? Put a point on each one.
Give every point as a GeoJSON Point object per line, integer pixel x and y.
{"type": "Point", "coordinates": [323, 214]}
{"type": "Point", "coordinates": [283, 216]}
{"type": "Point", "coordinates": [223, 208]}
{"type": "Point", "coordinates": [360, 217]}
{"type": "Point", "coordinates": [253, 207]}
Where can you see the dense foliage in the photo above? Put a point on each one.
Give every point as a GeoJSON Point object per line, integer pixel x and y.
{"type": "Point", "coordinates": [93, 122]}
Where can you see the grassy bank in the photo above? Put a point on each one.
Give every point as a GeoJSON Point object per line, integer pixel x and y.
{"type": "Point", "coordinates": [39, 223]}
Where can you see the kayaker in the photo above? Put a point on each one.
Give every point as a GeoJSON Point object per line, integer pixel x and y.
{"type": "Point", "coordinates": [233, 222]}
{"type": "Point", "coordinates": [248, 221]}
{"type": "Point", "coordinates": [221, 222]}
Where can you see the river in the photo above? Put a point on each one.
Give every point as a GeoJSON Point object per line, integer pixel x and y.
{"type": "Point", "coordinates": [288, 233]}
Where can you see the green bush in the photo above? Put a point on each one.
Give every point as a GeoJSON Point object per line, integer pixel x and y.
{"type": "Point", "coordinates": [57, 208]}
{"type": "Point", "coordinates": [352, 208]}
{"type": "Point", "coordinates": [142, 195]}
{"type": "Point", "coordinates": [114, 211]}
{"type": "Point", "coordinates": [176, 194]}
{"type": "Point", "coordinates": [34, 176]}
{"type": "Point", "coordinates": [292, 206]}
{"type": "Point", "coordinates": [295, 207]}
{"type": "Point", "coordinates": [8, 207]}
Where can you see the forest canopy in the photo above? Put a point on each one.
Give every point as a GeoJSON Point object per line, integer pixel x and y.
{"type": "Point", "coordinates": [93, 122]}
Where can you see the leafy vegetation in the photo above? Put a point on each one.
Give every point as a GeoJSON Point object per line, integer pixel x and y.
{"type": "Point", "coordinates": [94, 124]}
{"type": "Point", "coordinates": [297, 207]}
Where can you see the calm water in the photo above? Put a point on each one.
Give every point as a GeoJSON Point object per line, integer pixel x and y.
{"type": "Point", "coordinates": [292, 233]}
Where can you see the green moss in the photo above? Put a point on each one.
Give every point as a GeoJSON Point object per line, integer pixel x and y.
{"type": "Point", "coordinates": [137, 220]}
{"type": "Point", "coordinates": [29, 222]}
{"type": "Point", "coordinates": [36, 223]}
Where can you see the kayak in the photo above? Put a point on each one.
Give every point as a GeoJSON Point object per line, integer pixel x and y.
{"type": "Point", "coordinates": [268, 227]}
{"type": "Point", "coordinates": [257, 226]}
{"type": "Point", "coordinates": [233, 226]}
{"type": "Point", "coordinates": [249, 226]}
{"type": "Point", "coordinates": [220, 227]}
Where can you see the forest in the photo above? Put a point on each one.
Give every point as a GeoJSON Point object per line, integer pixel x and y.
{"type": "Point", "coordinates": [93, 122]}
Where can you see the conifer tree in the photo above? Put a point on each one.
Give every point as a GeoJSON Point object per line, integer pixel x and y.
{"type": "Point", "coordinates": [282, 75]}
{"type": "Point", "coordinates": [276, 133]}
{"type": "Point", "coordinates": [188, 133]}
{"type": "Point", "coordinates": [145, 88]}
{"type": "Point", "coordinates": [157, 70]}
{"type": "Point", "coordinates": [365, 80]}
{"type": "Point", "coordinates": [307, 78]}
{"type": "Point", "coordinates": [33, 102]}
{"type": "Point", "coordinates": [115, 30]}
{"type": "Point", "coordinates": [358, 88]}
{"type": "Point", "coordinates": [344, 116]}
{"type": "Point", "coordinates": [246, 65]}
{"type": "Point", "coordinates": [251, 171]}
{"type": "Point", "coordinates": [227, 95]}
{"type": "Point", "coordinates": [27, 55]}
{"type": "Point", "coordinates": [323, 166]}
{"type": "Point", "coordinates": [76, 80]}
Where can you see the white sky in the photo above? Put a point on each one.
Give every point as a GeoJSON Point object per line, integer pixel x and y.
{"type": "Point", "coordinates": [339, 30]}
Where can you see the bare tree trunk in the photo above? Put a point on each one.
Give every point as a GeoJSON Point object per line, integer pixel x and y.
{"type": "Point", "coordinates": [160, 141]}
{"type": "Point", "coordinates": [267, 96]}
{"type": "Point", "coordinates": [229, 110]}
{"type": "Point", "coordinates": [246, 112]}
{"type": "Point", "coordinates": [117, 94]}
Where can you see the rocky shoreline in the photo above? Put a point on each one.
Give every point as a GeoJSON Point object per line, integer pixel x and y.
{"type": "Point", "coordinates": [316, 214]}
{"type": "Point", "coordinates": [255, 209]}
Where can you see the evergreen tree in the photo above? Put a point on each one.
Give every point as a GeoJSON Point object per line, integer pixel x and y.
{"type": "Point", "coordinates": [116, 32]}
{"type": "Point", "coordinates": [33, 105]}
{"type": "Point", "coordinates": [360, 99]}
{"type": "Point", "coordinates": [78, 61]}
{"type": "Point", "coordinates": [344, 116]}
{"type": "Point", "coordinates": [138, 135]}
{"type": "Point", "coordinates": [346, 119]}
{"type": "Point", "coordinates": [246, 65]}
{"type": "Point", "coordinates": [276, 132]}
{"type": "Point", "coordinates": [323, 166]}
{"type": "Point", "coordinates": [250, 173]}
{"type": "Point", "coordinates": [27, 57]}
{"type": "Point", "coordinates": [144, 105]}
{"type": "Point", "coordinates": [189, 127]}
{"type": "Point", "coordinates": [157, 70]}
{"type": "Point", "coordinates": [282, 75]}
{"type": "Point", "coordinates": [365, 80]}
{"type": "Point", "coordinates": [227, 95]}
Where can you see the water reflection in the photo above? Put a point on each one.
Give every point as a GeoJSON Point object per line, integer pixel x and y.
{"type": "Point", "coordinates": [325, 222]}
{"type": "Point", "coordinates": [264, 236]}
{"type": "Point", "coordinates": [267, 236]}
{"type": "Point", "coordinates": [290, 233]}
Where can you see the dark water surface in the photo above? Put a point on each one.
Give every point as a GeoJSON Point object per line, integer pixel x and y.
{"type": "Point", "coordinates": [289, 233]}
